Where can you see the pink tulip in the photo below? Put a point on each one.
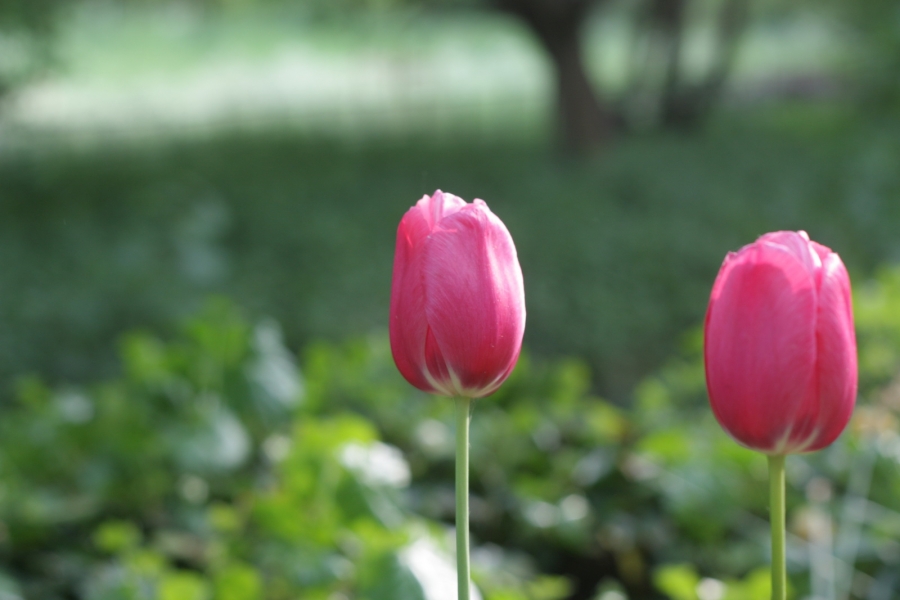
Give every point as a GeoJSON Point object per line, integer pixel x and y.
{"type": "Point", "coordinates": [457, 298]}
{"type": "Point", "coordinates": [780, 349]}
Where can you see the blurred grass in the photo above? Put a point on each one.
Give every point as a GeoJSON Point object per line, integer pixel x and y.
{"type": "Point", "coordinates": [618, 250]}
{"type": "Point", "coordinates": [267, 153]}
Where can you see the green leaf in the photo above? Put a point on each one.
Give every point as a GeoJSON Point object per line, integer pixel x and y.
{"type": "Point", "coordinates": [238, 582]}
{"type": "Point", "coordinates": [388, 578]}
{"type": "Point", "coordinates": [672, 445]}
{"type": "Point", "coordinates": [679, 582]}
{"type": "Point", "coordinates": [117, 536]}
{"type": "Point", "coordinates": [547, 587]}
{"type": "Point", "coordinates": [183, 585]}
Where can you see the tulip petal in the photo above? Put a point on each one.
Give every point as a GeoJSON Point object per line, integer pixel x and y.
{"type": "Point", "coordinates": [475, 299]}
{"type": "Point", "coordinates": [836, 349]}
{"type": "Point", "coordinates": [420, 220]}
{"type": "Point", "coordinates": [760, 348]}
{"type": "Point", "coordinates": [436, 371]}
{"type": "Point", "coordinates": [408, 326]}
{"type": "Point", "coordinates": [798, 244]}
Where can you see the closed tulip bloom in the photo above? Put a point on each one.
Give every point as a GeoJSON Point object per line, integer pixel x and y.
{"type": "Point", "coordinates": [779, 345]}
{"type": "Point", "coordinates": [457, 298]}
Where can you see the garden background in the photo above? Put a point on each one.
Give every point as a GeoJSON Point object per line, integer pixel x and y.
{"type": "Point", "coordinates": [198, 203]}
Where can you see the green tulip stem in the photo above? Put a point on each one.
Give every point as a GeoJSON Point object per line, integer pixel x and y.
{"type": "Point", "coordinates": [776, 518]}
{"type": "Point", "coordinates": [463, 418]}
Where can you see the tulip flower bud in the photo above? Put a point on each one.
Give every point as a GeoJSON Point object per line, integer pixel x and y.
{"type": "Point", "coordinates": [779, 345]}
{"type": "Point", "coordinates": [457, 298]}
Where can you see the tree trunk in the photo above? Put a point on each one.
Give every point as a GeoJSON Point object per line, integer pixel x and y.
{"type": "Point", "coordinates": [684, 106]}
{"type": "Point", "coordinates": [670, 15]}
{"type": "Point", "coordinates": [583, 120]}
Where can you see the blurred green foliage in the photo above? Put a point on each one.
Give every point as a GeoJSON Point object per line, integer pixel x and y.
{"type": "Point", "coordinates": [35, 15]}
{"type": "Point", "coordinates": [210, 469]}
{"type": "Point", "coordinates": [214, 468]}
{"type": "Point", "coordinates": [26, 29]}
{"type": "Point", "coordinates": [203, 463]}
{"type": "Point", "coordinates": [875, 63]}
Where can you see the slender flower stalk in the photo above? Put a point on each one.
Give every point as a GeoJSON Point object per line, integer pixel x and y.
{"type": "Point", "coordinates": [780, 355]}
{"type": "Point", "coordinates": [463, 418]}
{"type": "Point", "coordinates": [776, 518]}
{"type": "Point", "coordinates": [457, 318]}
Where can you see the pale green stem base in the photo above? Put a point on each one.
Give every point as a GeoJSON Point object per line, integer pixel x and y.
{"type": "Point", "coordinates": [776, 518]}
{"type": "Point", "coordinates": [463, 417]}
